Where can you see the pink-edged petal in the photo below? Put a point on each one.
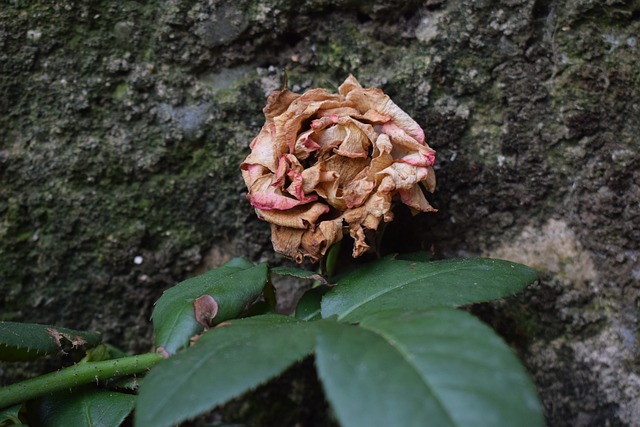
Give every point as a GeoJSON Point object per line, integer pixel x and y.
{"type": "Point", "coordinates": [265, 196]}
{"type": "Point", "coordinates": [296, 188]}
{"type": "Point", "coordinates": [289, 123]}
{"type": "Point", "coordinates": [324, 122]}
{"type": "Point", "coordinates": [251, 173]}
{"type": "Point", "coordinates": [268, 200]}
{"type": "Point", "coordinates": [305, 145]}
{"type": "Point", "coordinates": [419, 158]}
{"type": "Point", "coordinates": [281, 171]}
{"type": "Point", "coordinates": [265, 150]}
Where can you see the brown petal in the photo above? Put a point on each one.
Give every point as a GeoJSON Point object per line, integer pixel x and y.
{"type": "Point", "coordinates": [346, 170]}
{"type": "Point", "coordinates": [356, 192]}
{"type": "Point", "coordinates": [342, 111]}
{"type": "Point", "coordinates": [407, 149]}
{"type": "Point", "coordinates": [382, 158]}
{"type": "Point", "coordinates": [303, 217]}
{"type": "Point", "coordinates": [375, 99]}
{"type": "Point", "coordinates": [265, 150]}
{"type": "Point", "coordinates": [287, 241]}
{"type": "Point", "coordinates": [354, 144]}
{"type": "Point", "coordinates": [278, 102]}
{"type": "Point", "coordinates": [414, 198]}
{"type": "Point", "coordinates": [401, 176]}
{"type": "Point", "coordinates": [430, 181]}
{"type": "Point", "coordinates": [313, 244]}
{"type": "Point", "coordinates": [316, 174]}
{"type": "Point", "coordinates": [289, 123]}
{"type": "Point", "coordinates": [252, 172]}
{"type": "Point", "coordinates": [359, 245]}
{"type": "Point", "coordinates": [305, 145]}
{"type": "Point", "coordinates": [350, 84]}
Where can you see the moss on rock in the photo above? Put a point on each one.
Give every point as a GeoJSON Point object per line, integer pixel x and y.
{"type": "Point", "coordinates": [123, 125]}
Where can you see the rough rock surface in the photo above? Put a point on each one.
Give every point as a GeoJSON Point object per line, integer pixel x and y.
{"type": "Point", "coordinates": [122, 125]}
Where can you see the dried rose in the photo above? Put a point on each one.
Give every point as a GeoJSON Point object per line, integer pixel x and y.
{"type": "Point", "coordinates": [326, 163]}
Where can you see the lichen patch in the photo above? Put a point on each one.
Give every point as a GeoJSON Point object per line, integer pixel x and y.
{"type": "Point", "coordinates": [552, 248]}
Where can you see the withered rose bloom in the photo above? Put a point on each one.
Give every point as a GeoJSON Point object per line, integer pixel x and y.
{"type": "Point", "coordinates": [325, 164]}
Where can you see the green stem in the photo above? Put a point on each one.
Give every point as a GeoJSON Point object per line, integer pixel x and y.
{"type": "Point", "coordinates": [76, 375]}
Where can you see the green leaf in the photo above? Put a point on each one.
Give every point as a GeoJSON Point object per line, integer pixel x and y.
{"type": "Point", "coordinates": [28, 341]}
{"type": "Point", "coordinates": [438, 368]}
{"type": "Point", "coordinates": [224, 363]}
{"type": "Point", "coordinates": [84, 408]}
{"type": "Point", "coordinates": [415, 256]}
{"type": "Point", "coordinates": [398, 284]}
{"type": "Point", "coordinates": [233, 286]}
{"type": "Point", "coordinates": [308, 307]}
{"type": "Point", "coordinates": [10, 416]}
{"type": "Point", "coordinates": [299, 273]}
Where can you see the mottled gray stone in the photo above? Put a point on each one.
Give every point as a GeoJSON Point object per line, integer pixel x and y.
{"type": "Point", "coordinates": [122, 126]}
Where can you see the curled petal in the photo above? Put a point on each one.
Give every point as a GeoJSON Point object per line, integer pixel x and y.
{"type": "Point", "coordinates": [251, 173]}
{"type": "Point", "coordinates": [359, 241]}
{"type": "Point", "coordinates": [430, 181]}
{"type": "Point", "coordinates": [375, 99]}
{"type": "Point", "coordinates": [357, 191]}
{"type": "Point", "coordinates": [278, 102]}
{"type": "Point", "coordinates": [287, 241]}
{"type": "Point", "coordinates": [382, 157]}
{"type": "Point", "coordinates": [302, 217]}
{"type": "Point", "coordinates": [316, 175]}
{"type": "Point", "coordinates": [338, 112]}
{"type": "Point", "coordinates": [407, 149]}
{"type": "Point", "coordinates": [401, 176]}
{"type": "Point", "coordinates": [298, 243]}
{"type": "Point", "coordinates": [289, 123]}
{"type": "Point", "coordinates": [305, 145]}
{"type": "Point", "coordinates": [354, 143]}
{"type": "Point", "coordinates": [265, 150]}
{"type": "Point", "coordinates": [419, 158]}
{"type": "Point", "coordinates": [346, 169]}
{"type": "Point", "coordinates": [265, 196]}
{"type": "Point", "coordinates": [316, 243]}
{"type": "Point", "coordinates": [414, 198]}
{"type": "Point", "coordinates": [324, 122]}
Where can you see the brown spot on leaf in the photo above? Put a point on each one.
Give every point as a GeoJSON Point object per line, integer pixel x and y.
{"type": "Point", "coordinates": [62, 339]}
{"type": "Point", "coordinates": [205, 309]}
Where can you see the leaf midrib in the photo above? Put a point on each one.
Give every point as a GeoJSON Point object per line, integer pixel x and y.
{"type": "Point", "coordinates": [399, 348]}
{"type": "Point", "coordinates": [393, 288]}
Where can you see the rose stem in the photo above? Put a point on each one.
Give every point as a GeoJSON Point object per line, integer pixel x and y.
{"type": "Point", "coordinates": [82, 373]}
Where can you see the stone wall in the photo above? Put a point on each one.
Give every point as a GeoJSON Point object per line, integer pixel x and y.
{"type": "Point", "coordinates": [122, 125]}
